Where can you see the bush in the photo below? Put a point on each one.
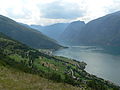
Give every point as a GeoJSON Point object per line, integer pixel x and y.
{"type": "Point", "coordinates": [97, 86]}
{"type": "Point", "coordinates": [55, 76]}
{"type": "Point", "coordinates": [69, 79]}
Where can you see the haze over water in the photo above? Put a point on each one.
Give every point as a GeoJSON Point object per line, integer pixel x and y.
{"type": "Point", "coordinates": [104, 63]}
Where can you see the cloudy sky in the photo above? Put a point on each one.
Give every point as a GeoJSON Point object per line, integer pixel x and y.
{"type": "Point", "coordinates": [44, 12]}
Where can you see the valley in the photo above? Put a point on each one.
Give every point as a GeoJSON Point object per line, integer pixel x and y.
{"type": "Point", "coordinates": [74, 56]}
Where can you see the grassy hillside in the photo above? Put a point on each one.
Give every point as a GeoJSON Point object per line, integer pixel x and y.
{"type": "Point", "coordinates": [20, 61]}
{"type": "Point", "coordinates": [26, 35]}
{"type": "Point", "coordinates": [13, 79]}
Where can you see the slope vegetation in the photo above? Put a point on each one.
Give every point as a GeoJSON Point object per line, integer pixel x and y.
{"type": "Point", "coordinates": [23, 65]}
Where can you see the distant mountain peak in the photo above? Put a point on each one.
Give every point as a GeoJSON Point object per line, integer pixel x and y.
{"type": "Point", "coordinates": [70, 33]}
{"type": "Point", "coordinates": [80, 22]}
{"type": "Point", "coordinates": [53, 30]}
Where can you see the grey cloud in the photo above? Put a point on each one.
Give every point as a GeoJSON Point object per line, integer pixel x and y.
{"type": "Point", "coordinates": [61, 10]}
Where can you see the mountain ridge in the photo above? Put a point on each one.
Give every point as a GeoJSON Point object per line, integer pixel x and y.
{"type": "Point", "coordinates": [52, 31]}
{"type": "Point", "coordinates": [98, 32]}
{"type": "Point", "coordinates": [29, 36]}
{"type": "Point", "coordinates": [102, 31]}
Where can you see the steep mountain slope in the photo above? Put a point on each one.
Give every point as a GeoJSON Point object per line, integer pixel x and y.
{"type": "Point", "coordinates": [21, 59]}
{"type": "Point", "coordinates": [52, 31]}
{"type": "Point", "coordinates": [70, 34]}
{"type": "Point", "coordinates": [102, 31]}
{"type": "Point", "coordinates": [26, 35]}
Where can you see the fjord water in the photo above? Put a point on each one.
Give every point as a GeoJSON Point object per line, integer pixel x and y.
{"type": "Point", "coordinates": [103, 62]}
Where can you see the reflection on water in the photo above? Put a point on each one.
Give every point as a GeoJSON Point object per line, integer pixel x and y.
{"type": "Point", "coordinates": [103, 62]}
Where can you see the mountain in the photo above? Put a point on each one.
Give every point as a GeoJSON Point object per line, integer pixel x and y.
{"type": "Point", "coordinates": [25, 34]}
{"type": "Point", "coordinates": [70, 34]}
{"type": "Point", "coordinates": [26, 25]}
{"type": "Point", "coordinates": [22, 67]}
{"type": "Point", "coordinates": [52, 31]}
{"type": "Point", "coordinates": [102, 31]}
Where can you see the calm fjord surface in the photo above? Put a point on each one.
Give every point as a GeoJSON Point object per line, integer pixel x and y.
{"type": "Point", "coordinates": [103, 62]}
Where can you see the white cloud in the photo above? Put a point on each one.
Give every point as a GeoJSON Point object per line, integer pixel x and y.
{"type": "Point", "coordinates": [30, 11]}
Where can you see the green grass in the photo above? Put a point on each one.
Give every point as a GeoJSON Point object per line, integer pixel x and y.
{"type": "Point", "coordinates": [13, 79]}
